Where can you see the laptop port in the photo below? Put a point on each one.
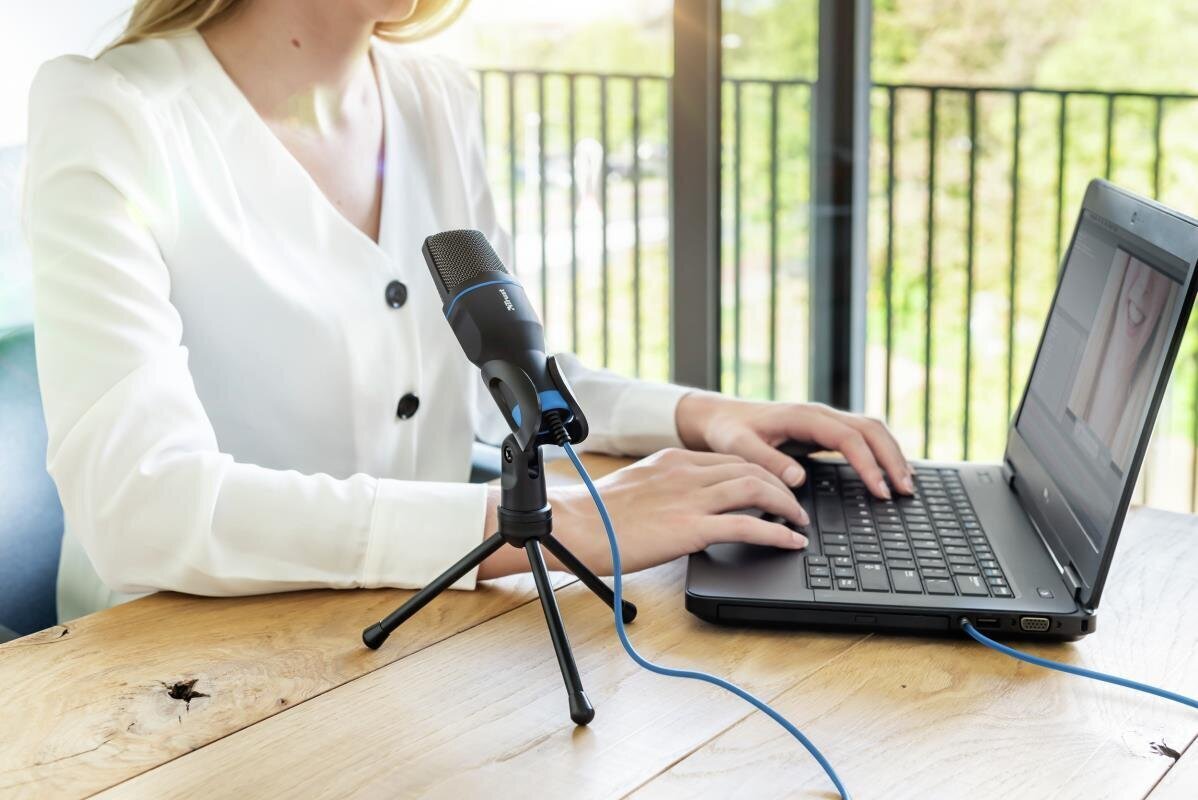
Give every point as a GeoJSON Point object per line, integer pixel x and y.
{"type": "Point", "coordinates": [988, 623]}
{"type": "Point", "coordinates": [1034, 624]}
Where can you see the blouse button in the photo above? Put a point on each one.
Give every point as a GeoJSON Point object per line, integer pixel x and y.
{"type": "Point", "coordinates": [396, 294]}
{"type": "Point", "coordinates": [407, 406]}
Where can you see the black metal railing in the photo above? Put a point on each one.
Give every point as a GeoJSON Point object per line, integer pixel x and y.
{"type": "Point", "coordinates": [972, 192]}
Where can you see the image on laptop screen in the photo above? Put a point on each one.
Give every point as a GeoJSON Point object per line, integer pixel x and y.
{"type": "Point", "coordinates": [1098, 367]}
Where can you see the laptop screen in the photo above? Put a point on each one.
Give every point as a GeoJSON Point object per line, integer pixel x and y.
{"type": "Point", "coordinates": [1099, 367]}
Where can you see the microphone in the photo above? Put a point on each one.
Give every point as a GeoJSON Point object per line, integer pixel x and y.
{"type": "Point", "coordinates": [500, 333]}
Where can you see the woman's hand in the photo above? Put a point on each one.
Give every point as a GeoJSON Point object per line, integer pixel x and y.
{"type": "Point", "coordinates": [753, 431]}
{"type": "Point", "coordinates": [665, 506]}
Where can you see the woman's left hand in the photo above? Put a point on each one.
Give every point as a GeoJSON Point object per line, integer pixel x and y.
{"type": "Point", "coordinates": [753, 431]}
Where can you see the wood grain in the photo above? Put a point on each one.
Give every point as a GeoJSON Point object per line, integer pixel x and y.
{"type": "Point", "coordinates": [470, 701]}
{"type": "Point", "coordinates": [92, 699]}
{"type": "Point", "coordinates": [907, 718]}
{"type": "Point", "coordinates": [484, 713]}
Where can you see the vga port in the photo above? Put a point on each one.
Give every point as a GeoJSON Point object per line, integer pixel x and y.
{"type": "Point", "coordinates": [1034, 624]}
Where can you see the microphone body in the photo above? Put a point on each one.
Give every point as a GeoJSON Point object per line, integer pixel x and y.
{"type": "Point", "coordinates": [499, 331]}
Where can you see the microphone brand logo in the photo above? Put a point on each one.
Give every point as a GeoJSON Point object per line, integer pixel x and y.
{"type": "Point", "coordinates": [507, 302]}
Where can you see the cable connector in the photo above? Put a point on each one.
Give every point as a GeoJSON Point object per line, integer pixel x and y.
{"type": "Point", "coordinates": [981, 638]}
{"type": "Point", "coordinates": [556, 420]}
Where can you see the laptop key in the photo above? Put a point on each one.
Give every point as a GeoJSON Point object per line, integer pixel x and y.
{"type": "Point", "coordinates": [829, 516]}
{"type": "Point", "coordinates": [817, 561]}
{"type": "Point", "coordinates": [873, 578]}
{"type": "Point", "coordinates": [902, 563]}
{"type": "Point", "coordinates": [964, 569]}
{"type": "Point", "coordinates": [843, 550]}
{"type": "Point", "coordinates": [869, 558]}
{"type": "Point", "coordinates": [848, 584]}
{"type": "Point", "coordinates": [934, 572]}
{"type": "Point", "coordinates": [939, 586]}
{"type": "Point", "coordinates": [971, 585]}
{"type": "Point", "coordinates": [819, 583]}
{"type": "Point", "coordinates": [906, 581]}
{"type": "Point", "coordinates": [819, 572]}
{"type": "Point", "coordinates": [844, 572]}
{"type": "Point", "coordinates": [842, 561]}
{"type": "Point", "coordinates": [1002, 591]}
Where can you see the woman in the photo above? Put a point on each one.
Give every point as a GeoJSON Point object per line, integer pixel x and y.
{"type": "Point", "coordinates": [248, 383]}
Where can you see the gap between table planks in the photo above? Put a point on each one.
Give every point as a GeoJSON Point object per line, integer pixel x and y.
{"type": "Point", "coordinates": [900, 717]}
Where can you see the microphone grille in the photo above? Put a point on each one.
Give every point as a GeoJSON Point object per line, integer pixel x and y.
{"type": "Point", "coordinates": [461, 256]}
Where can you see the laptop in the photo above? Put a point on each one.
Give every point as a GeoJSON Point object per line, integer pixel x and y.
{"type": "Point", "coordinates": [1022, 547]}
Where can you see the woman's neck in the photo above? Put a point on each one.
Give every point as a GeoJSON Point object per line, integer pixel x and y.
{"type": "Point", "coordinates": [300, 61]}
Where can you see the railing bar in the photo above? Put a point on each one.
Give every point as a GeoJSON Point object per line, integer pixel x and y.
{"type": "Point", "coordinates": [572, 133]}
{"type": "Point", "coordinates": [1012, 275]}
{"type": "Point", "coordinates": [738, 129]}
{"type": "Point", "coordinates": [603, 209]}
{"type": "Point", "coordinates": [1194, 443]}
{"type": "Point", "coordinates": [1158, 118]}
{"type": "Point", "coordinates": [1043, 90]}
{"type": "Point", "coordinates": [929, 275]}
{"type": "Point", "coordinates": [636, 225]}
{"type": "Point", "coordinates": [969, 237]}
{"type": "Point", "coordinates": [773, 233]}
{"type": "Point", "coordinates": [1110, 134]}
{"type": "Point", "coordinates": [511, 160]}
{"type": "Point", "coordinates": [1061, 123]}
{"type": "Point", "coordinates": [888, 280]}
{"type": "Point", "coordinates": [541, 185]}
{"type": "Point", "coordinates": [942, 87]}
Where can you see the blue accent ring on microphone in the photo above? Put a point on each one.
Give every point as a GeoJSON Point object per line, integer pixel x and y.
{"type": "Point", "coordinates": [469, 289]}
{"type": "Point", "coordinates": [550, 400]}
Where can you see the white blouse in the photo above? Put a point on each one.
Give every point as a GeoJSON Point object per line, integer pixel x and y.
{"type": "Point", "coordinates": [220, 364]}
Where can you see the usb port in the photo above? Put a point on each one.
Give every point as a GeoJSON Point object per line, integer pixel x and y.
{"type": "Point", "coordinates": [988, 623]}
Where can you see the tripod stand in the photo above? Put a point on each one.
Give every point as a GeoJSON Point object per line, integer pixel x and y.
{"type": "Point", "coordinates": [525, 521]}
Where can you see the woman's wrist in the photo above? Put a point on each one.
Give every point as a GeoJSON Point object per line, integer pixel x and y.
{"type": "Point", "coordinates": [691, 417]}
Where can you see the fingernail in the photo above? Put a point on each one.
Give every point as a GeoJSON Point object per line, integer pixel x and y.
{"type": "Point", "coordinates": [804, 518]}
{"type": "Point", "coordinates": [908, 484]}
{"type": "Point", "coordinates": [792, 475]}
{"type": "Point", "coordinates": [799, 540]}
{"type": "Point", "coordinates": [883, 489]}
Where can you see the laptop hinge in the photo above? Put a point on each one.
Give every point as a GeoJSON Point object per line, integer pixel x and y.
{"type": "Point", "coordinates": [1008, 473]}
{"type": "Point", "coordinates": [1073, 581]}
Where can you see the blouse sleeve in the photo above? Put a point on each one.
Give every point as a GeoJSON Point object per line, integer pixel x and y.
{"type": "Point", "coordinates": [144, 486]}
{"type": "Point", "coordinates": [626, 416]}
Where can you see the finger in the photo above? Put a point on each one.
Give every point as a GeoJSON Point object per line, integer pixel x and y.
{"type": "Point", "coordinates": [753, 448]}
{"type": "Point", "coordinates": [709, 476]}
{"type": "Point", "coordinates": [751, 530]}
{"type": "Point", "coordinates": [885, 449]}
{"type": "Point", "coordinates": [751, 492]}
{"type": "Point", "coordinates": [828, 431]}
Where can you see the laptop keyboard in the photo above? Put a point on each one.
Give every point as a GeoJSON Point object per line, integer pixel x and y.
{"type": "Point", "coordinates": [930, 543]}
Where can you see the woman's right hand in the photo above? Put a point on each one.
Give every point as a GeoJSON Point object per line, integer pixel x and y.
{"type": "Point", "coordinates": [673, 503]}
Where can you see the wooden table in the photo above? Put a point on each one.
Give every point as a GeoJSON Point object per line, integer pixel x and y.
{"type": "Point", "coordinates": [175, 696]}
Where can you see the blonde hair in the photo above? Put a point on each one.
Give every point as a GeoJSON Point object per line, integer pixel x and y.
{"type": "Point", "coordinates": [154, 18]}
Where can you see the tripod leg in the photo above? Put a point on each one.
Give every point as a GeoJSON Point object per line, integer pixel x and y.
{"type": "Point", "coordinates": [581, 710]}
{"type": "Point", "coordinates": [592, 581]}
{"type": "Point", "coordinates": [377, 633]}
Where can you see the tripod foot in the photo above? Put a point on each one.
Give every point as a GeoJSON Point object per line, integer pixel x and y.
{"type": "Point", "coordinates": [629, 612]}
{"type": "Point", "coordinates": [581, 710]}
{"type": "Point", "coordinates": [374, 636]}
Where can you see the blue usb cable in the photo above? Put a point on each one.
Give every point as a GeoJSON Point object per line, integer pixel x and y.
{"type": "Point", "coordinates": [618, 588]}
{"type": "Point", "coordinates": [764, 707]}
{"type": "Point", "coordinates": [967, 626]}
